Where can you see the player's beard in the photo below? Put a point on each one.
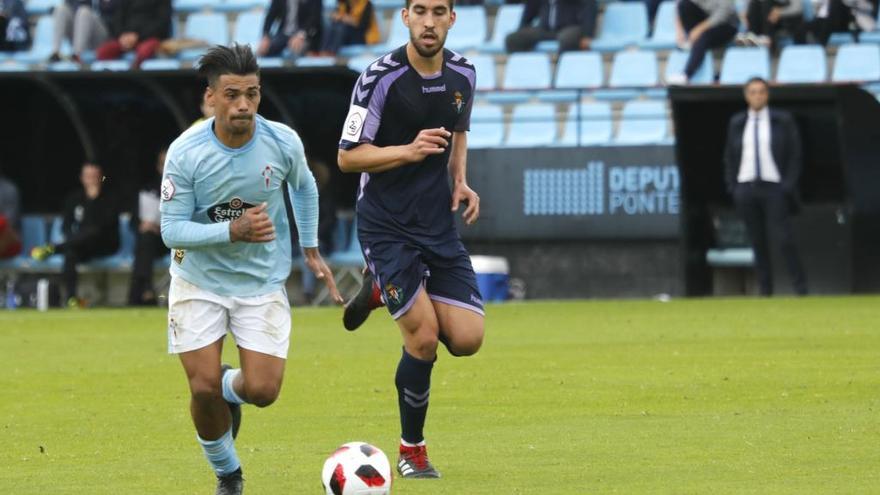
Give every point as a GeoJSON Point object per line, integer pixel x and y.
{"type": "Point", "coordinates": [235, 128]}
{"type": "Point", "coordinates": [424, 51]}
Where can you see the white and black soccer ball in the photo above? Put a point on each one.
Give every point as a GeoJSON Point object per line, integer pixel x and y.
{"type": "Point", "coordinates": [357, 468]}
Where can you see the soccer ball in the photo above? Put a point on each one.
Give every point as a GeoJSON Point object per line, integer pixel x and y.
{"type": "Point", "coordinates": [357, 468]}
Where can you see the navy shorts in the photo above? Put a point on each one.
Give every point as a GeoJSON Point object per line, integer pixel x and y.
{"type": "Point", "coordinates": [402, 268]}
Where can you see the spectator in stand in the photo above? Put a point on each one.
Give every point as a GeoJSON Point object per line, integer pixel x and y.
{"type": "Point", "coordinates": [14, 26]}
{"type": "Point", "coordinates": [139, 26]}
{"type": "Point", "coordinates": [85, 27]}
{"type": "Point", "coordinates": [702, 25]}
{"type": "Point", "coordinates": [10, 206]}
{"type": "Point", "coordinates": [292, 24]}
{"type": "Point", "coordinates": [91, 228]}
{"type": "Point", "coordinates": [571, 22]}
{"type": "Point", "coordinates": [841, 16]}
{"type": "Point", "coordinates": [766, 18]}
{"type": "Point", "coordinates": [326, 224]}
{"type": "Point", "coordinates": [353, 23]}
{"type": "Point", "coordinates": [148, 245]}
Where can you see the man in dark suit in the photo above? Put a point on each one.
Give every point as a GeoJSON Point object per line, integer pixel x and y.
{"type": "Point", "coordinates": [292, 24]}
{"type": "Point", "coordinates": [572, 22]}
{"type": "Point", "coordinates": [762, 167]}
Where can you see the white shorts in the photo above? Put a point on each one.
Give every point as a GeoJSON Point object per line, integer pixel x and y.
{"type": "Point", "coordinates": [197, 318]}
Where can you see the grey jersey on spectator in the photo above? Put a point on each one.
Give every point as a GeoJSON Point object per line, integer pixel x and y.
{"type": "Point", "coordinates": [719, 11]}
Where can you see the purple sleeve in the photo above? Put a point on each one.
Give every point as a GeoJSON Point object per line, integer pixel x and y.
{"type": "Point", "coordinates": [464, 121]}
{"type": "Point", "coordinates": [368, 101]}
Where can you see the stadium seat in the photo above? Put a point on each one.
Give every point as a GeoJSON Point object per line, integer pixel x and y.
{"type": "Point", "coordinates": [547, 46]}
{"type": "Point", "coordinates": [111, 65]}
{"type": "Point", "coordinates": [13, 66]}
{"type": "Point", "coordinates": [123, 258]}
{"type": "Point", "coordinates": [361, 62]}
{"type": "Point", "coordinates": [663, 37]}
{"type": "Point", "coordinates": [523, 71]}
{"type": "Point", "coordinates": [643, 122]}
{"type": "Point", "coordinates": [63, 66]}
{"type": "Point", "coordinates": [352, 50]}
{"type": "Point", "coordinates": [41, 45]}
{"type": "Point", "coordinates": [624, 24]}
{"type": "Point", "coordinates": [399, 35]}
{"type": "Point", "coordinates": [857, 62]}
{"type": "Point", "coordinates": [239, 5]}
{"type": "Point", "coordinates": [270, 62]}
{"type": "Point", "coordinates": [838, 39]}
{"type": "Point", "coordinates": [802, 64]}
{"type": "Point", "coordinates": [33, 233]}
{"type": "Point", "coordinates": [487, 127]}
{"type": "Point", "coordinates": [587, 124]}
{"type": "Point", "coordinates": [161, 64]}
{"type": "Point", "coordinates": [579, 70]}
{"type": "Point", "coordinates": [532, 124]}
{"type": "Point", "coordinates": [741, 63]}
{"type": "Point", "coordinates": [484, 65]}
{"type": "Point", "coordinates": [388, 4]}
{"type": "Point", "coordinates": [249, 28]}
{"type": "Point", "coordinates": [209, 27]}
{"type": "Point", "coordinates": [506, 21]}
{"type": "Point", "coordinates": [630, 70]}
{"type": "Point", "coordinates": [676, 62]}
{"type": "Point", "coordinates": [40, 7]}
{"type": "Point", "coordinates": [189, 6]}
{"type": "Point", "coordinates": [469, 30]}
{"type": "Point", "coordinates": [315, 61]}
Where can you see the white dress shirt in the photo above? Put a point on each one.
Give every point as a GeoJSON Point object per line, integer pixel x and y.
{"type": "Point", "coordinates": [769, 171]}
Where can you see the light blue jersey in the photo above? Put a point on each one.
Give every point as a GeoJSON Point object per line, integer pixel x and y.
{"type": "Point", "coordinates": [207, 184]}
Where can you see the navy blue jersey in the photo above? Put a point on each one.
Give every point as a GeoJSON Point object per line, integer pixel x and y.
{"type": "Point", "coordinates": [391, 103]}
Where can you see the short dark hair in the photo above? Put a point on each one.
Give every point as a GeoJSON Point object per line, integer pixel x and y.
{"type": "Point", "coordinates": [451, 4]}
{"type": "Point", "coordinates": [755, 79]}
{"type": "Point", "coordinates": [234, 59]}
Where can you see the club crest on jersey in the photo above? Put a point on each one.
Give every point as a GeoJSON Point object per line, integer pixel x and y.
{"type": "Point", "coordinates": [458, 101]}
{"type": "Point", "coordinates": [393, 294]}
{"type": "Point", "coordinates": [227, 212]}
{"type": "Point", "coordinates": [178, 255]}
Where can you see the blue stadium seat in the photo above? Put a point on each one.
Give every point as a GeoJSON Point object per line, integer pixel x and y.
{"type": "Point", "coordinates": [161, 64]}
{"type": "Point", "coordinates": [210, 27]}
{"type": "Point", "coordinates": [189, 6]}
{"type": "Point", "coordinates": [663, 37]}
{"type": "Point", "coordinates": [398, 36]}
{"type": "Point", "coordinates": [574, 71]}
{"type": "Point", "coordinates": [111, 65]}
{"type": "Point", "coordinates": [63, 66]}
{"type": "Point", "coordinates": [353, 50]}
{"type": "Point", "coordinates": [857, 62]}
{"type": "Point", "coordinates": [249, 28]}
{"type": "Point", "coordinates": [239, 5]}
{"type": "Point", "coordinates": [532, 124]}
{"type": "Point", "coordinates": [741, 63]}
{"type": "Point", "coordinates": [315, 61]}
{"type": "Point", "coordinates": [643, 122]}
{"type": "Point", "coordinates": [485, 67]}
{"type": "Point", "coordinates": [41, 46]}
{"type": "Point", "coordinates": [587, 124]}
{"type": "Point", "coordinates": [838, 39]}
{"type": "Point", "coordinates": [123, 258]}
{"type": "Point", "coordinates": [33, 233]}
{"type": "Point", "coordinates": [487, 127]}
{"type": "Point", "coordinates": [523, 71]}
{"type": "Point", "coordinates": [624, 24]}
{"type": "Point", "coordinates": [678, 59]}
{"type": "Point", "coordinates": [630, 70]}
{"type": "Point", "coordinates": [40, 7]}
{"type": "Point", "coordinates": [506, 21]}
{"type": "Point", "coordinates": [361, 62]}
{"type": "Point", "coordinates": [388, 4]}
{"type": "Point", "coordinates": [13, 66]}
{"type": "Point", "coordinates": [270, 62]}
{"type": "Point", "coordinates": [802, 64]}
{"type": "Point", "coordinates": [547, 46]}
{"type": "Point", "coordinates": [469, 30]}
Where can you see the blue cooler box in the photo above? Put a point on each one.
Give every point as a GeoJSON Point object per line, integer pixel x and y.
{"type": "Point", "coordinates": [493, 277]}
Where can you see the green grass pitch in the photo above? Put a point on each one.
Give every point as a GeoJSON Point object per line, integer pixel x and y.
{"type": "Point", "coordinates": [685, 397]}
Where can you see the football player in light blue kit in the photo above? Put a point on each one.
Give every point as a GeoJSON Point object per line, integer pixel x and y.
{"type": "Point", "coordinates": [223, 216]}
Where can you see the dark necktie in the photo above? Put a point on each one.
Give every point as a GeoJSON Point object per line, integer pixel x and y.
{"type": "Point", "coordinates": [757, 152]}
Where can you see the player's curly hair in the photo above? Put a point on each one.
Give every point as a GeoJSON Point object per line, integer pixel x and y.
{"type": "Point", "coordinates": [234, 59]}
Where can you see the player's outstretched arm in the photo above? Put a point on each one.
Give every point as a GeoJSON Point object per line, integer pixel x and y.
{"type": "Point", "coordinates": [317, 265]}
{"type": "Point", "coordinates": [367, 157]}
{"type": "Point", "coordinates": [253, 225]}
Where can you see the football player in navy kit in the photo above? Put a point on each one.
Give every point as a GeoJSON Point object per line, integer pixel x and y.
{"type": "Point", "coordinates": [406, 134]}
